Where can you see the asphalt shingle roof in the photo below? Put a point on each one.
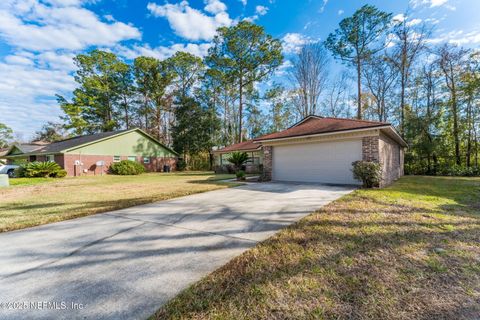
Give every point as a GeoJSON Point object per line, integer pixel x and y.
{"type": "Point", "coordinates": [242, 146]}
{"type": "Point", "coordinates": [74, 142]}
{"type": "Point", "coordinates": [318, 125]}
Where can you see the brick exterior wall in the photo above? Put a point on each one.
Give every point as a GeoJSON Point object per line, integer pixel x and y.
{"type": "Point", "coordinates": [391, 158]}
{"type": "Point", "coordinates": [370, 149]}
{"type": "Point", "coordinates": [388, 153]}
{"type": "Point", "coordinates": [267, 163]}
{"type": "Point", "coordinates": [89, 167]}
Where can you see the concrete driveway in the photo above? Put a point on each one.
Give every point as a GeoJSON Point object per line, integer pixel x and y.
{"type": "Point", "coordinates": [125, 264]}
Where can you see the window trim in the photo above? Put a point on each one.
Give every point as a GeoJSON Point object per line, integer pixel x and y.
{"type": "Point", "coordinates": [132, 158]}
{"type": "Point", "coordinates": [50, 158]}
{"type": "Point", "coordinates": [117, 158]}
{"type": "Point", "coordinates": [146, 160]}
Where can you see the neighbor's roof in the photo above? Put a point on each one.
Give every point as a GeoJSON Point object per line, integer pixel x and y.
{"type": "Point", "coordinates": [72, 143]}
{"type": "Point", "coordinates": [317, 125]}
{"type": "Point", "coordinates": [242, 146]}
{"type": "Point", "coordinates": [4, 151]}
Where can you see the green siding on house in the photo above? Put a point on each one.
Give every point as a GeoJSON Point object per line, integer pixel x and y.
{"type": "Point", "coordinates": [15, 151]}
{"type": "Point", "coordinates": [131, 143]}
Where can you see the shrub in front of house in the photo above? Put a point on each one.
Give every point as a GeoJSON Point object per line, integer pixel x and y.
{"type": "Point", "coordinates": [126, 168]}
{"type": "Point", "coordinates": [48, 169]}
{"type": "Point", "coordinates": [240, 175]}
{"type": "Point", "coordinates": [370, 173]}
{"type": "Point", "coordinates": [181, 165]}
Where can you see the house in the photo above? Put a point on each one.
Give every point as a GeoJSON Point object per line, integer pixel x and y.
{"type": "Point", "coordinates": [322, 149]}
{"type": "Point", "coordinates": [93, 154]}
{"type": "Point", "coordinates": [254, 151]}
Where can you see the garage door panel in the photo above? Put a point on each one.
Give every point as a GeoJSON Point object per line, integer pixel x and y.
{"type": "Point", "coordinates": [326, 162]}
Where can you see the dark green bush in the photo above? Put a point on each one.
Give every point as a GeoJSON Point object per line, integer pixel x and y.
{"type": "Point", "coordinates": [181, 165]}
{"type": "Point", "coordinates": [126, 168]}
{"type": "Point", "coordinates": [240, 175]}
{"type": "Point", "coordinates": [40, 169]}
{"type": "Point", "coordinates": [370, 173]}
{"type": "Point", "coordinates": [442, 169]}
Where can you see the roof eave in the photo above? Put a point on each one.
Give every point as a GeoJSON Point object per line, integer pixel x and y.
{"type": "Point", "coordinates": [322, 134]}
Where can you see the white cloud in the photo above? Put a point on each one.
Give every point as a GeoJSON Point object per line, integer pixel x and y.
{"type": "Point", "coordinates": [244, 2]}
{"type": "Point", "coordinates": [459, 37]}
{"type": "Point", "coordinates": [292, 42]}
{"type": "Point", "coordinates": [261, 10]}
{"type": "Point", "coordinates": [27, 90]}
{"type": "Point", "coordinates": [188, 22]}
{"type": "Point", "coordinates": [399, 17]}
{"type": "Point", "coordinates": [32, 25]}
{"type": "Point", "coordinates": [324, 4]}
{"type": "Point", "coordinates": [43, 37]}
{"type": "Point", "coordinates": [162, 52]}
{"type": "Point", "coordinates": [215, 6]}
{"type": "Point", "coordinates": [340, 12]}
{"type": "Point", "coordinates": [431, 4]}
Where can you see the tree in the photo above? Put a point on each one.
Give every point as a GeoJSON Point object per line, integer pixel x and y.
{"type": "Point", "coordinates": [95, 104]}
{"type": "Point", "coordinates": [357, 38]}
{"type": "Point", "coordinates": [152, 77]}
{"type": "Point", "coordinates": [246, 55]}
{"type": "Point", "coordinates": [380, 76]}
{"type": "Point", "coordinates": [191, 132]}
{"type": "Point", "coordinates": [451, 61]}
{"type": "Point", "coordinates": [187, 69]}
{"type": "Point", "coordinates": [280, 108]}
{"type": "Point", "coordinates": [310, 73]}
{"type": "Point", "coordinates": [409, 42]}
{"type": "Point", "coordinates": [51, 132]}
{"type": "Point", "coordinates": [336, 96]}
{"type": "Point", "coordinates": [6, 134]}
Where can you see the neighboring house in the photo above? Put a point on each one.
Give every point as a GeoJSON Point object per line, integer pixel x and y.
{"type": "Point", "coordinates": [93, 154]}
{"type": "Point", "coordinates": [322, 149]}
{"type": "Point", "coordinates": [254, 151]}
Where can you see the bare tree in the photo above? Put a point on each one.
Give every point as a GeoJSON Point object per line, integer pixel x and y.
{"type": "Point", "coordinates": [380, 76]}
{"type": "Point", "coordinates": [409, 41]}
{"type": "Point", "coordinates": [309, 75]}
{"type": "Point", "coordinates": [336, 96]}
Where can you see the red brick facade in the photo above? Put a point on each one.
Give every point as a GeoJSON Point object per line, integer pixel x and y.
{"type": "Point", "coordinates": [88, 163]}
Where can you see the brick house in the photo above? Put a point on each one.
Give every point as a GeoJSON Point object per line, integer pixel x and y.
{"type": "Point", "coordinates": [93, 154]}
{"type": "Point", "coordinates": [322, 149]}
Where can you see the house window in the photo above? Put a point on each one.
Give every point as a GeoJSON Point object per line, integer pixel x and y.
{"type": "Point", "coordinates": [50, 158]}
{"type": "Point", "coordinates": [32, 158]}
{"type": "Point", "coordinates": [146, 160]}
{"type": "Point", "coordinates": [116, 158]}
{"type": "Point", "coordinates": [132, 158]}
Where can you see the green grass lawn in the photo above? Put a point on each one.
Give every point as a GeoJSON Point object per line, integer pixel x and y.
{"type": "Point", "coordinates": [410, 251]}
{"type": "Point", "coordinates": [34, 201]}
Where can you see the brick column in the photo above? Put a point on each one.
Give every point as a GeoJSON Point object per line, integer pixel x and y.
{"type": "Point", "coordinates": [267, 163]}
{"type": "Point", "coordinates": [370, 149]}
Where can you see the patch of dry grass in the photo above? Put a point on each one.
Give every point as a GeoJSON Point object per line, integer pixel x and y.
{"type": "Point", "coordinates": [410, 251]}
{"type": "Point", "coordinates": [31, 203]}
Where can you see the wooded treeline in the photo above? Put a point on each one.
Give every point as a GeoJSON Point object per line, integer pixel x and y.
{"type": "Point", "coordinates": [429, 91]}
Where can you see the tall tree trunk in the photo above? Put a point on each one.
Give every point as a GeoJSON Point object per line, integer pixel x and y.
{"type": "Point", "coordinates": [359, 89]}
{"type": "Point", "coordinates": [402, 105]}
{"type": "Point", "coordinates": [240, 109]}
{"type": "Point", "coordinates": [455, 125]}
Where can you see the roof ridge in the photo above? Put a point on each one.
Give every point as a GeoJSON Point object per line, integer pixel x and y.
{"type": "Point", "coordinates": [358, 120]}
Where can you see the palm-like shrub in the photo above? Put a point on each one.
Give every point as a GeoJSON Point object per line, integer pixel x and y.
{"type": "Point", "coordinates": [127, 168]}
{"type": "Point", "coordinates": [238, 159]}
{"type": "Point", "coordinates": [41, 169]}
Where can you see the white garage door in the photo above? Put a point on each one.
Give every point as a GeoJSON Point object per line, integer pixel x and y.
{"type": "Point", "coordinates": [325, 162]}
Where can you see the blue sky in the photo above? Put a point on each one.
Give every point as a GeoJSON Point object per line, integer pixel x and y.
{"type": "Point", "coordinates": [38, 38]}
